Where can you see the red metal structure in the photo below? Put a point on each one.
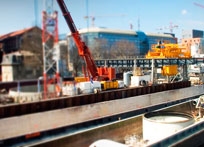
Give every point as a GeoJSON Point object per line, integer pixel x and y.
{"type": "Point", "coordinates": [50, 46]}
{"type": "Point", "coordinates": [102, 73]}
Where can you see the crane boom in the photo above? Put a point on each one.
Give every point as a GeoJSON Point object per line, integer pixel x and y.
{"type": "Point", "coordinates": [83, 50]}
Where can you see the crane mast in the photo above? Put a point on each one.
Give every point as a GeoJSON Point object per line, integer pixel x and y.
{"type": "Point", "coordinates": [50, 49]}
{"type": "Point", "coordinates": [83, 50]}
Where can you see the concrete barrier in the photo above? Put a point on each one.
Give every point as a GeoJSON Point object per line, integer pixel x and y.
{"type": "Point", "coordinates": [64, 117]}
{"type": "Point", "coordinates": [25, 94]}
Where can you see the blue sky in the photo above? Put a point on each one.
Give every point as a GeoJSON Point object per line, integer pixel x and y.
{"type": "Point", "coordinates": [154, 15]}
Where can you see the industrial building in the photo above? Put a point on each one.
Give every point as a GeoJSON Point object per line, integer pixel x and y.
{"type": "Point", "coordinates": [22, 55]}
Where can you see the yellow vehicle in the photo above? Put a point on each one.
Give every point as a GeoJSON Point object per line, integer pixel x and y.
{"type": "Point", "coordinates": [169, 50]}
{"type": "Point", "coordinates": [106, 85]}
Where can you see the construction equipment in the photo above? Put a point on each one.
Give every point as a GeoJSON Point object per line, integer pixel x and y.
{"type": "Point", "coordinates": [102, 73]}
{"type": "Point", "coordinates": [163, 50]}
{"type": "Point", "coordinates": [170, 50]}
{"type": "Point", "coordinates": [50, 45]}
{"type": "Point", "coordinates": [170, 27]}
{"type": "Point", "coordinates": [106, 85]}
{"type": "Point", "coordinates": [169, 70]}
{"type": "Point", "coordinates": [93, 18]}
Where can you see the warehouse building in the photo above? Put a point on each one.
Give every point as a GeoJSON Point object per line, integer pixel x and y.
{"type": "Point", "coordinates": [21, 55]}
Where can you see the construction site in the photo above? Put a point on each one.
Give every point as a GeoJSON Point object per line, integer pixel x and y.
{"type": "Point", "coordinates": [99, 87]}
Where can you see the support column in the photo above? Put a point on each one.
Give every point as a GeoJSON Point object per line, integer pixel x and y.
{"type": "Point", "coordinates": [185, 72]}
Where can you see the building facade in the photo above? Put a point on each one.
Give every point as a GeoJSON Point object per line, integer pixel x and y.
{"type": "Point", "coordinates": [194, 42]}
{"type": "Point", "coordinates": [110, 39]}
{"type": "Point", "coordinates": [192, 33]}
{"type": "Point", "coordinates": [22, 54]}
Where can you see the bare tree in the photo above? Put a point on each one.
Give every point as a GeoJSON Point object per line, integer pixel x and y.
{"type": "Point", "coordinates": [123, 49]}
{"type": "Point", "coordinates": [76, 60]}
{"type": "Point", "coordinates": [100, 49]}
{"type": "Point", "coordinates": [103, 49]}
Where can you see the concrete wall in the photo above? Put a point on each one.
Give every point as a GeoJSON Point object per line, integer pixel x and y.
{"type": "Point", "coordinates": [117, 131]}
{"type": "Point", "coordinates": [64, 117]}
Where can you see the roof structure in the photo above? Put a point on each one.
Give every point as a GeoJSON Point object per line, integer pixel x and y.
{"type": "Point", "coordinates": [107, 30]}
{"type": "Point", "coordinates": [159, 35]}
{"type": "Point", "coordinates": [15, 33]}
{"type": "Point", "coordinates": [115, 31]}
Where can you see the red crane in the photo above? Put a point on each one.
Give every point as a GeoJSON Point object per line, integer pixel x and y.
{"type": "Point", "coordinates": [102, 73]}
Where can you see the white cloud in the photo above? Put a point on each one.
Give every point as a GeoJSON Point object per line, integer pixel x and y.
{"type": "Point", "coordinates": [183, 12]}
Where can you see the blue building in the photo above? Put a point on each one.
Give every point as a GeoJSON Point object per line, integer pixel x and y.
{"type": "Point", "coordinates": [107, 39]}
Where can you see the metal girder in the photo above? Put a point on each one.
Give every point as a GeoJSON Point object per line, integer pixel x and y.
{"type": "Point", "coordinates": [143, 62]}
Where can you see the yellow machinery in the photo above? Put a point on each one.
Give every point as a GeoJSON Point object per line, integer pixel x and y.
{"type": "Point", "coordinates": [106, 85]}
{"type": "Point", "coordinates": [80, 79]}
{"type": "Point", "coordinates": [168, 51]}
{"type": "Point", "coordinates": [169, 70]}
